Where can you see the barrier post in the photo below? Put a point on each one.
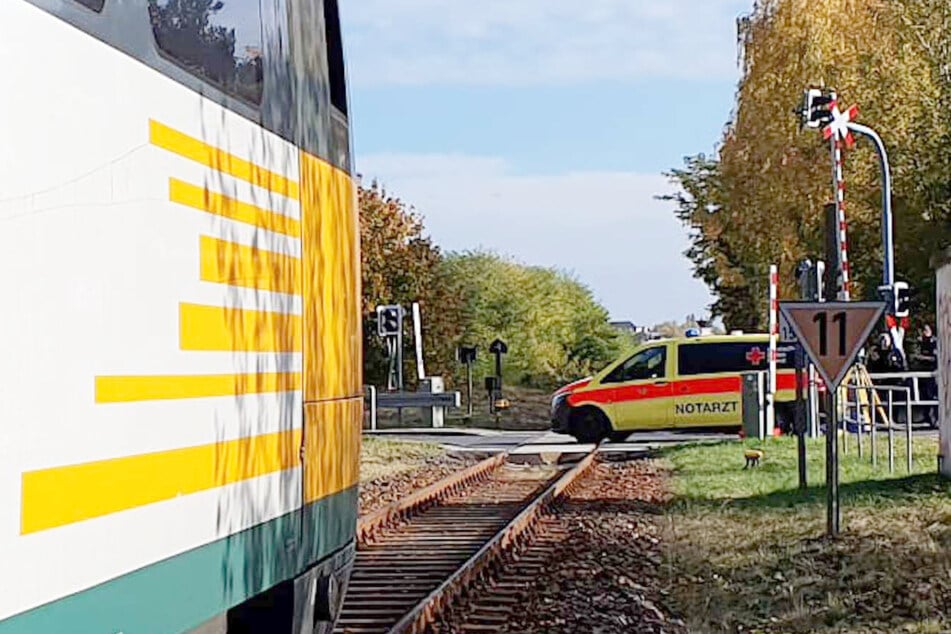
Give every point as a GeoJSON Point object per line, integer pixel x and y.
{"type": "Point", "coordinates": [773, 341]}
{"type": "Point", "coordinates": [371, 394]}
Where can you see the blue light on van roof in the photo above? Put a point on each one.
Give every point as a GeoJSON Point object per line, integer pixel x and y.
{"type": "Point", "coordinates": [692, 332]}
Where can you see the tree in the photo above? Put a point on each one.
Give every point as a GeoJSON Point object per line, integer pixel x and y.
{"type": "Point", "coordinates": [400, 265]}
{"type": "Point", "coordinates": [760, 200]}
{"type": "Point", "coordinates": [554, 328]}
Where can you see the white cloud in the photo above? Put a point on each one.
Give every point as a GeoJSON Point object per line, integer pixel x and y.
{"type": "Point", "coordinates": [531, 42]}
{"type": "Point", "coordinates": [604, 226]}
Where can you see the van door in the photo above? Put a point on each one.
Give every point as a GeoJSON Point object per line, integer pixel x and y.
{"type": "Point", "coordinates": [708, 391]}
{"type": "Point", "coordinates": [641, 396]}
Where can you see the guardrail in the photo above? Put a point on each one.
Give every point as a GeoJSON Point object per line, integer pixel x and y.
{"type": "Point", "coordinates": [437, 402]}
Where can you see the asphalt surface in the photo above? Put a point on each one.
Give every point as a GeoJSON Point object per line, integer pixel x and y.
{"type": "Point", "coordinates": [490, 441]}
{"type": "Point", "coordinates": [523, 442]}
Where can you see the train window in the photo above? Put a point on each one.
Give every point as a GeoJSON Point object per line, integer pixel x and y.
{"type": "Point", "coordinates": [95, 5]}
{"type": "Point", "coordinates": [217, 40]}
{"type": "Point", "coordinates": [338, 80]}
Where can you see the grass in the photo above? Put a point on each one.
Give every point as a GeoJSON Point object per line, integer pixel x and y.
{"type": "Point", "coordinates": [380, 457]}
{"type": "Point", "coordinates": [746, 551]}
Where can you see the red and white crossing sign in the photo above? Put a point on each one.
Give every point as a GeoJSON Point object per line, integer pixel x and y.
{"type": "Point", "coordinates": [839, 125]}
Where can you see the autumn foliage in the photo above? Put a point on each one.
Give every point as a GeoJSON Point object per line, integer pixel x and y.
{"type": "Point", "coordinates": [759, 199]}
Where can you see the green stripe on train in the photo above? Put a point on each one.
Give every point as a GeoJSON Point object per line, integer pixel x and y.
{"type": "Point", "coordinates": [182, 592]}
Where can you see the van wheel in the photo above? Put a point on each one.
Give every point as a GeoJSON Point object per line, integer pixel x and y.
{"type": "Point", "coordinates": [619, 436]}
{"type": "Point", "coordinates": [589, 425]}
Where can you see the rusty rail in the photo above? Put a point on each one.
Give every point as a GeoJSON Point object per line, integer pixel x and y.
{"type": "Point", "coordinates": [415, 502]}
{"type": "Point", "coordinates": [427, 611]}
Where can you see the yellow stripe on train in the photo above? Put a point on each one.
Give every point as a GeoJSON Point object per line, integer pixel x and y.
{"type": "Point", "coordinates": [224, 262]}
{"type": "Point", "coordinates": [196, 150]}
{"type": "Point", "coordinates": [130, 389]}
{"type": "Point", "coordinates": [64, 495]}
{"type": "Point", "coordinates": [212, 328]}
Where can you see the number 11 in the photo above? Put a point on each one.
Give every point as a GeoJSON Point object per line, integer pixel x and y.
{"type": "Point", "coordinates": [822, 320]}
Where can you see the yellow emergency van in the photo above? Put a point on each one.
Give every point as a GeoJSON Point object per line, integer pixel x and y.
{"type": "Point", "coordinates": [684, 383]}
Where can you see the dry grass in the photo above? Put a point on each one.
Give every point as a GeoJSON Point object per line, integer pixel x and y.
{"type": "Point", "coordinates": [745, 549]}
{"type": "Point", "coordinates": [381, 458]}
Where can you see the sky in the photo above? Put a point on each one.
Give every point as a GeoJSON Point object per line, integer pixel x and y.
{"type": "Point", "coordinates": [541, 129]}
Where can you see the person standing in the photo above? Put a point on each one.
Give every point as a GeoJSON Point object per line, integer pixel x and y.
{"type": "Point", "coordinates": [927, 358]}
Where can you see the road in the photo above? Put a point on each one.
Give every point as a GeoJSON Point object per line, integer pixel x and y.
{"type": "Point", "coordinates": [491, 441]}
{"type": "Point", "coordinates": [527, 442]}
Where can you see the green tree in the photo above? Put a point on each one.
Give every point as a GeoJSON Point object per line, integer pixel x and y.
{"type": "Point", "coordinates": [554, 328]}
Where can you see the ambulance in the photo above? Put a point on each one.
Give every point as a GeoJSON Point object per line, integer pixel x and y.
{"type": "Point", "coordinates": [693, 382]}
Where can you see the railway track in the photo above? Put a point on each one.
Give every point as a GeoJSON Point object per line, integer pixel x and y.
{"type": "Point", "coordinates": [417, 556]}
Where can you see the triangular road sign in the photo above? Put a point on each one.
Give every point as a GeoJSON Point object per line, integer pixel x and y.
{"type": "Point", "coordinates": [832, 333]}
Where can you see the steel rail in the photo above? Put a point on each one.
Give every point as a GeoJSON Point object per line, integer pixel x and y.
{"type": "Point", "coordinates": [370, 523]}
{"type": "Point", "coordinates": [428, 610]}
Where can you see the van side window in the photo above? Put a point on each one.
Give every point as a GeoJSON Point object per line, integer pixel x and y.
{"type": "Point", "coordinates": [95, 5]}
{"type": "Point", "coordinates": [732, 357]}
{"type": "Point", "coordinates": [646, 364]}
{"type": "Point", "coordinates": [216, 40]}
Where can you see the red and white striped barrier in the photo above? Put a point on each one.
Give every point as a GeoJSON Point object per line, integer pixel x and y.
{"type": "Point", "coordinates": [773, 345]}
{"type": "Point", "coordinates": [840, 134]}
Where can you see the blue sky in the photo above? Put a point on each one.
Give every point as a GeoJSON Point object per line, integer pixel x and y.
{"type": "Point", "coordinates": [540, 129]}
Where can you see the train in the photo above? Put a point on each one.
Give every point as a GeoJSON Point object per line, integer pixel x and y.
{"type": "Point", "coordinates": [180, 393]}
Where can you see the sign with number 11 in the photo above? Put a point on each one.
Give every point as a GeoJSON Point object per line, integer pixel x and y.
{"type": "Point", "coordinates": [832, 333]}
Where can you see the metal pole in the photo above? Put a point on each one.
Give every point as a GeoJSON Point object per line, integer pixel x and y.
{"type": "Point", "coordinates": [858, 420]}
{"type": "Point", "coordinates": [888, 273]}
{"type": "Point", "coordinates": [832, 466]}
{"type": "Point", "coordinates": [469, 388]}
{"type": "Point", "coordinates": [813, 403]}
{"type": "Point", "coordinates": [888, 238]}
{"type": "Point", "coordinates": [845, 428]}
{"type": "Point", "coordinates": [891, 432]}
{"type": "Point", "coordinates": [399, 355]}
{"type": "Point", "coordinates": [908, 430]}
{"type": "Point", "coordinates": [873, 415]}
{"type": "Point", "coordinates": [372, 392]}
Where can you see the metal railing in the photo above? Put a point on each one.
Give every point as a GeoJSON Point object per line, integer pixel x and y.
{"type": "Point", "coordinates": [873, 413]}
{"type": "Point", "coordinates": [914, 378]}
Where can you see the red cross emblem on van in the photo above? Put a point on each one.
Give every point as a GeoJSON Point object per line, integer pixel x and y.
{"type": "Point", "coordinates": [755, 356]}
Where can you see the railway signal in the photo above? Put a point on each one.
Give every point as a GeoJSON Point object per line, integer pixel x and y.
{"type": "Point", "coordinates": [816, 109]}
{"type": "Point", "coordinates": [389, 325]}
{"type": "Point", "coordinates": [389, 320]}
{"type": "Point", "coordinates": [820, 110]}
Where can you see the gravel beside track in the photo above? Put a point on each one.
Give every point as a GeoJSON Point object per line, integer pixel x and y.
{"type": "Point", "coordinates": [593, 567]}
{"type": "Point", "coordinates": [379, 492]}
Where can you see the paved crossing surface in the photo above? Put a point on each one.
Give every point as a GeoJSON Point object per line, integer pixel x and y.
{"type": "Point", "coordinates": [491, 441]}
